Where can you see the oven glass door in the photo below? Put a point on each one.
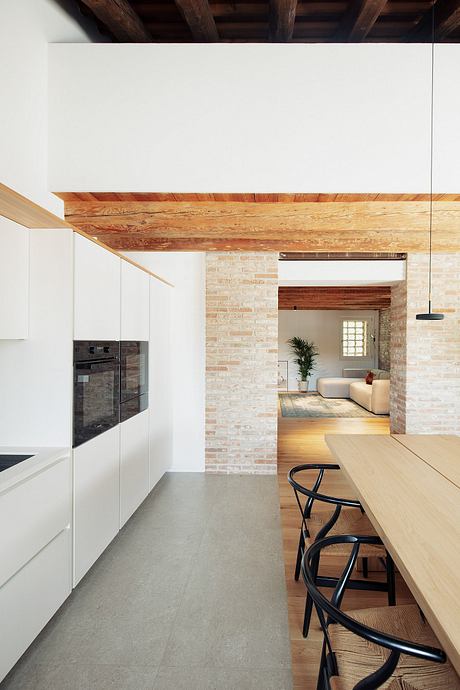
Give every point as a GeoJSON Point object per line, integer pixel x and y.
{"type": "Point", "coordinates": [96, 398]}
{"type": "Point", "coordinates": [134, 369]}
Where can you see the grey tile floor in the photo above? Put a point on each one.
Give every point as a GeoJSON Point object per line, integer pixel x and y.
{"type": "Point", "coordinates": [189, 596]}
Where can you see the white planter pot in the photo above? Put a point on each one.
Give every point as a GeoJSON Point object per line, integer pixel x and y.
{"type": "Point", "coordinates": [303, 386]}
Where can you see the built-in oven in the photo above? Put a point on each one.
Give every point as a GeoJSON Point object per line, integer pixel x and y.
{"type": "Point", "coordinates": [134, 376]}
{"type": "Point", "coordinates": [96, 399]}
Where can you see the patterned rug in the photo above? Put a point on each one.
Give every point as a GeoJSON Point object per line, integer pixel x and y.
{"type": "Point", "coordinates": [314, 405]}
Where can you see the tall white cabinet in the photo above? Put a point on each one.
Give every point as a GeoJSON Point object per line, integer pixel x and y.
{"type": "Point", "coordinates": [14, 280]}
{"type": "Point", "coordinates": [161, 414]}
{"type": "Point", "coordinates": [134, 432]}
{"type": "Point", "coordinates": [97, 292]}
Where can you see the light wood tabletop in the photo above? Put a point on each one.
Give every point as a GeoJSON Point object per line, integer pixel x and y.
{"type": "Point", "coordinates": [441, 452]}
{"type": "Point", "coordinates": [415, 509]}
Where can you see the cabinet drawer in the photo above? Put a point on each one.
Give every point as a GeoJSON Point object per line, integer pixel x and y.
{"type": "Point", "coordinates": [30, 598]}
{"type": "Point", "coordinates": [35, 511]}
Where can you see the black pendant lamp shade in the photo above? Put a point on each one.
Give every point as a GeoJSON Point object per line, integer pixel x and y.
{"type": "Point", "coordinates": [431, 316]}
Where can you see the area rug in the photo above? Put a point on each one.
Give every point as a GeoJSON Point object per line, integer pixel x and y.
{"type": "Point", "coordinates": [314, 405]}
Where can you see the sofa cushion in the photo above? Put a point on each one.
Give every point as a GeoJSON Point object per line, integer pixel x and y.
{"type": "Point", "coordinates": [338, 387]}
{"type": "Point", "coordinates": [380, 374]}
{"type": "Point", "coordinates": [361, 393]}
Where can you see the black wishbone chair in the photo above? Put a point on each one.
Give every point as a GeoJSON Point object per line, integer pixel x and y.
{"type": "Point", "coordinates": [386, 647]}
{"type": "Point", "coordinates": [348, 517]}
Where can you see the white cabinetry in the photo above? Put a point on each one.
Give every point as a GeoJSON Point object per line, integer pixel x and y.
{"type": "Point", "coordinates": [160, 396]}
{"type": "Point", "coordinates": [96, 498]}
{"type": "Point", "coordinates": [14, 280]}
{"type": "Point", "coordinates": [97, 292]}
{"type": "Point", "coordinates": [134, 464]}
{"type": "Point", "coordinates": [134, 303]}
{"type": "Point", "coordinates": [36, 555]}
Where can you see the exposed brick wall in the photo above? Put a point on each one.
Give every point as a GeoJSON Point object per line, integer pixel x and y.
{"type": "Point", "coordinates": [241, 362]}
{"type": "Point", "coordinates": [425, 356]}
{"type": "Point", "coordinates": [384, 338]}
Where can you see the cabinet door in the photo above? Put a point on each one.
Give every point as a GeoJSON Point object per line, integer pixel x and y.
{"type": "Point", "coordinates": [30, 598]}
{"type": "Point", "coordinates": [96, 498]}
{"type": "Point", "coordinates": [160, 397]}
{"type": "Point", "coordinates": [14, 280]}
{"type": "Point", "coordinates": [134, 464]}
{"type": "Point", "coordinates": [97, 292]}
{"type": "Point", "coordinates": [134, 303]}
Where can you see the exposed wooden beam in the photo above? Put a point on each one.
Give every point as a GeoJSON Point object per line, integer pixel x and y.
{"type": "Point", "coordinates": [446, 17]}
{"type": "Point", "coordinates": [121, 20]}
{"type": "Point", "coordinates": [367, 226]}
{"type": "Point", "coordinates": [198, 16]}
{"type": "Point", "coordinates": [360, 297]}
{"type": "Point", "coordinates": [359, 19]}
{"type": "Point", "coordinates": [282, 19]}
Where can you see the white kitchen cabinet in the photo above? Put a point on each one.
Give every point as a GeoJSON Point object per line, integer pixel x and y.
{"type": "Point", "coordinates": [97, 292]}
{"type": "Point", "coordinates": [160, 389]}
{"type": "Point", "coordinates": [134, 303]}
{"type": "Point", "coordinates": [14, 280]}
{"type": "Point", "coordinates": [36, 510]}
{"type": "Point", "coordinates": [30, 598]}
{"type": "Point", "coordinates": [134, 464]}
{"type": "Point", "coordinates": [96, 465]}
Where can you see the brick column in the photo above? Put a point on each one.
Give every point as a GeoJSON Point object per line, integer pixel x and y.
{"type": "Point", "coordinates": [241, 362]}
{"type": "Point", "coordinates": [425, 355]}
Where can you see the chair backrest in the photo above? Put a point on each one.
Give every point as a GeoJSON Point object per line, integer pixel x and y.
{"type": "Point", "coordinates": [329, 610]}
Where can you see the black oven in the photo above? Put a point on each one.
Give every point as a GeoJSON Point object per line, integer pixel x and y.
{"type": "Point", "coordinates": [134, 376]}
{"type": "Point", "coordinates": [96, 387]}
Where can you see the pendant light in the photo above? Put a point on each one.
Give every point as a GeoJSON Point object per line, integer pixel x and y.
{"type": "Point", "coordinates": [431, 316]}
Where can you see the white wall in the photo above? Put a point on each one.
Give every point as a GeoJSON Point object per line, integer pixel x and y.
{"type": "Point", "coordinates": [324, 328]}
{"type": "Point", "coordinates": [186, 271]}
{"type": "Point", "coordinates": [251, 117]}
{"type": "Point", "coordinates": [292, 273]}
{"type": "Point", "coordinates": [36, 374]}
{"type": "Point", "coordinates": [26, 27]}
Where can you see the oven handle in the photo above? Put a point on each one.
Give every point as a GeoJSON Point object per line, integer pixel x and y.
{"type": "Point", "coordinates": [85, 362]}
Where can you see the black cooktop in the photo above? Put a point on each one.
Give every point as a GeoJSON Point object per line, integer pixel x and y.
{"type": "Point", "coordinates": [7, 461]}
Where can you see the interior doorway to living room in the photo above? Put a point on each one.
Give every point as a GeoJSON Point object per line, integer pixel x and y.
{"type": "Point", "coordinates": [334, 334]}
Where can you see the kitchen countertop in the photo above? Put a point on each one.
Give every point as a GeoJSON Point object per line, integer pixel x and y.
{"type": "Point", "coordinates": [42, 458]}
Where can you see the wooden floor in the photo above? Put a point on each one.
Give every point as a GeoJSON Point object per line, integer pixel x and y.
{"type": "Point", "coordinates": [302, 440]}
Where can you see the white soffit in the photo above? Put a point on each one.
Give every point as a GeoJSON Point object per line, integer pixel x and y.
{"type": "Point", "coordinates": [333, 273]}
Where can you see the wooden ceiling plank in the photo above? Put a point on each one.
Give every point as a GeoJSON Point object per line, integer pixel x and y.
{"type": "Point", "coordinates": [120, 19]}
{"type": "Point", "coordinates": [325, 226]}
{"type": "Point", "coordinates": [359, 19]}
{"type": "Point", "coordinates": [282, 15]}
{"type": "Point", "coordinates": [200, 20]}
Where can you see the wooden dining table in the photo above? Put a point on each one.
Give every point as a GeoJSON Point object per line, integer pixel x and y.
{"type": "Point", "coordinates": [409, 486]}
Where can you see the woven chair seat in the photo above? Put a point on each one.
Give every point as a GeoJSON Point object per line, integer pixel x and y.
{"type": "Point", "coordinates": [351, 521]}
{"type": "Point", "coordinates": [357, 658]}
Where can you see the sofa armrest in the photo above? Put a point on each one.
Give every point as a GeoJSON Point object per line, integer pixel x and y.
{"type": "Point", "coordinates": [380, 401]}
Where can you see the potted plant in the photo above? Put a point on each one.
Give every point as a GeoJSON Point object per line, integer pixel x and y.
{"type": "Point", "coordinates": [306, 354]}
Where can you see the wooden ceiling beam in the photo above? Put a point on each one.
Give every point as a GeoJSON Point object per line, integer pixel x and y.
{"type": "Point", "coordinates": [359, 19]}
{"type": "Point", "coordinates": [120, 19]}
{"type": "Point", "coordinates": [447, 20]}
{"type": "Point", "coordinates": [362, 226]}
{"type": "Point", "coordinates": [200, 20]}
{"type": "Point", "coordinates": [282, 15]}
{"type": "Point", "coordinates": [359, 297]}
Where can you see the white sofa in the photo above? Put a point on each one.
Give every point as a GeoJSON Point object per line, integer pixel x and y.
{"type": "Point", "coordinates": [339, 386]}
{"type": "Point", "coordinates": [375, 397]}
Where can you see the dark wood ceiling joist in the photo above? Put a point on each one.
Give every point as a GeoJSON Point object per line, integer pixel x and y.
{"type": "Point", "coordinates": [359, 19]}
{"type": "Point", "coordinates": [343, 298]}
{"type": "Point", "coordinates": [446, 21]}
{"type": "Point", "coordinates": [282, 19]}
{"type": "Point", "coordinates": [200, 20]}
{"type": "Point", "coordinates": [120, 19]}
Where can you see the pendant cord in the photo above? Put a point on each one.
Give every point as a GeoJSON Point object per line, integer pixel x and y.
{"type": "Point", "coordinates": [431, 150]}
